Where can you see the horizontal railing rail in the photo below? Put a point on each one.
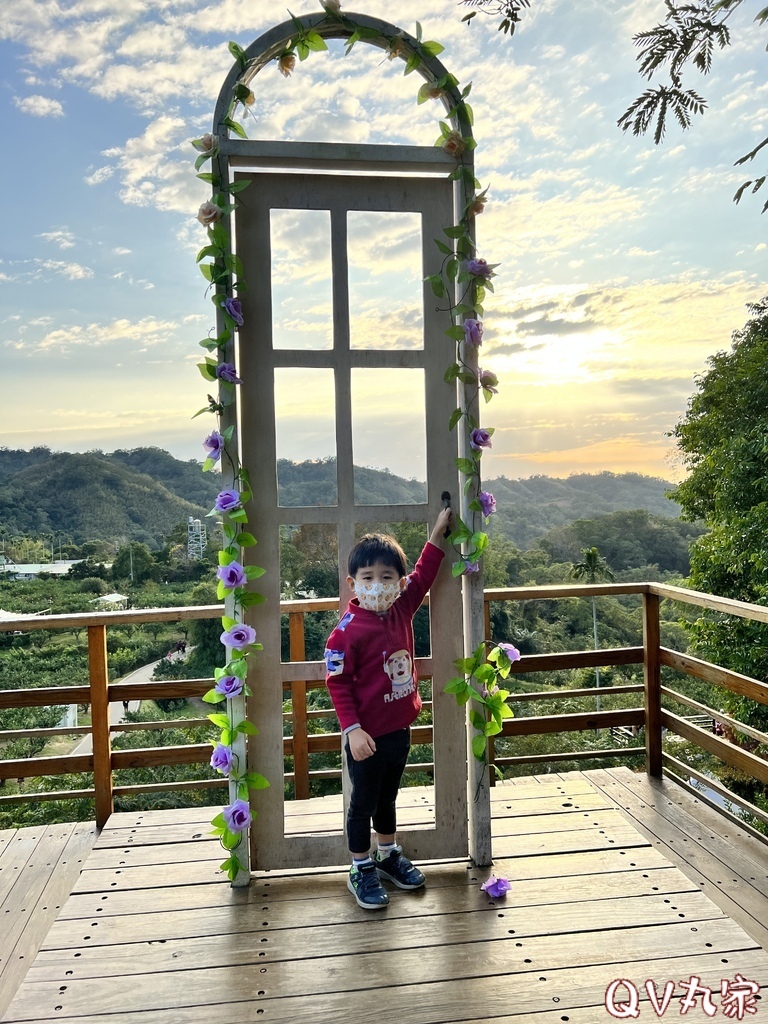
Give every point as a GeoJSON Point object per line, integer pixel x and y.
{"type": "Point", "coordinates": [301, 677]}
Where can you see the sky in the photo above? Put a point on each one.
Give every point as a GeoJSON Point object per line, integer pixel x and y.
{"type": "Point", "coordinates": [623, 265]}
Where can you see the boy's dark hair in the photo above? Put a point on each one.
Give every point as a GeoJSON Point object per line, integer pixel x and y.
{"type": "Point", "coordinates": [376, 547]}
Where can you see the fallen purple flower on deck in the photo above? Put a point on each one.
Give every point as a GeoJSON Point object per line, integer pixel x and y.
{"type": "Point", "coordinates": [497, 888]}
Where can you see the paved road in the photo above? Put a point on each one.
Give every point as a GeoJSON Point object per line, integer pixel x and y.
{"type": "Point", "coordinates": [116, 708]}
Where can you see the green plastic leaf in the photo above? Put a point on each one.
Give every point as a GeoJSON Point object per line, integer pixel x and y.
{"type": "Point", "coordinates": [219, 822]}
{"type": "Point", "coordinates": [479, 744]}
{"type": "Point", "coordinates": [254, 572]}
{"type": "Point", "coordinates": [492, 728]}
{"type": "Point", "coordinates": [255, 781]}
{"type": "Point", "coordinates": [455, 417]}
{"type": "Point", "coordinates": [457, 569]}
{"type": "Point", "coordinates": [247, 728]}
{"type": "Point", "coordinates": [445, 249]}
{"type": "Point", "coordinates": [412, 63]}
{"type": "Point", "coordinates": [477, 720]}
{"type": "Point", "coordinates": [238, 53]}
{"type": "Point", "coordinates": [220, 721]}
{"type": "Point", "coordinates": [465, 465]}
{"type": "Point", "coordinates": [238, 186]}
{"type": "Point", "coordinates": [457, 685]}
{"type": "Point", "coordinates": [230, 840]}
{"type": "Point", "coordinates": [221, 591]}
{"type": "Point", "coordinates": [246, 540]}
{"type": "Point", "coordinates": [315, 42]}
{"type": "Point", "coordinates": [433, 48]}
{"type": "Point", "coordinates": [235, 126]}
{"type": "Point", "coordinates": [242, 791]}
{"type": "Point", "coordinates": [248, 599]}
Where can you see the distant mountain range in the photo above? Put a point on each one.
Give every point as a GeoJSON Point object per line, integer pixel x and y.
{"type": "Point", "coordinates": [144, 493]}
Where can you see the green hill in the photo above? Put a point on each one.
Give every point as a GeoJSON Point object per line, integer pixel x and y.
{"type": "Point", "coordinates": [143, 493]}
{"type": "Point", "coordinates": [91, 497]}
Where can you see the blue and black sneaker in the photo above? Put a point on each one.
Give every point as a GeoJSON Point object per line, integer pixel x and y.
{"type": "Point", "coordinates": [398, 869]}
{"type": "Point", "coordinates": [365, 886]}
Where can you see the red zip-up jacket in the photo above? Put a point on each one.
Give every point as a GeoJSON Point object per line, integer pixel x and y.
{"type": "Point", "coordinates": [369, 658]}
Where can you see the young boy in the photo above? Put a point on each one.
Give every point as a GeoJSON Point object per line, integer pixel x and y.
{"type": "Point", "coordinates": [372, 681]}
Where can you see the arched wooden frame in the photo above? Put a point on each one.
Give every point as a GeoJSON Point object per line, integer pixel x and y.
{"type": "Point", "coordinates": [234, 153]}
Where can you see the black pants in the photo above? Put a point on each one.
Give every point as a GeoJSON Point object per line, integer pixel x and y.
{"type": "Point", "coordinates": [375, 782]}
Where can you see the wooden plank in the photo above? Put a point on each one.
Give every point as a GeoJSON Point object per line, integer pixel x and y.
{"type": "Point", "coordinates": [576, 659]}
{"type": "Point", "coordinates": [295, 951]}
{"type": "Point", "coordinates": [156, 757]}
{"type": "Point", "coordinates": [752, 765]}
{"type": "Point", "coordinates": [98, 675]}
{"type": "Point", "coordinates": [568, 694]}
{"type": "Point", "coordinates": [14, 856]}
{"type": "Point", "coordinates": [535, 725]}
{"type": "Point", "coordinates": [705, 860]}
{"type": "Point", "coordinates": [32, 767]}
{"type": "Point", "coordinates": [240, 994]}
{"type": "Point", "coordinates": [44, 696]}
{"type": "Point", "coordinates": [735, 682]}
{"type": "Point", "coordinates": [717, 716]}
{"type": "Point", "coordinates": [43, 890]}
{"type": "Point", "coordinates": [562, 590]}
{"type": "Point", "coordinates": [652, 681]}
{"type": "Point", "coordinates": [743, 609]}
{"type": "Point", "coordinates": [316, 900]}
{"type": "Point", "coordinates": [28, 623]}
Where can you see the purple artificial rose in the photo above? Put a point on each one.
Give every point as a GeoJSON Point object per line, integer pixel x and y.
{"type": "Point", "coordinates": [473, 332]}
{"type": "Point", "coordinates": [470, 568]}
{"type": "Point", "coordinates": [214, 445]}
{"type": "Point", "coordinates": [229, 686]}
{"type": "Point", "coordinates": [235, 310]}
{"type": "Point", "coordinates": [228, 501]}
{"type": "Point", "coordinates": [479, 268]}
{"type": "Point", "coordinates": [232, 575]}
{"type": "Point", "coordinates": [222, 759]}
{"type": "Point", "coordinates": [510, 650]}
{"type": "Point", "coordinates": [237, 816]}
{"type": "Point", "coordinates": [480, 439]}
{"type": "Point", "coordinates": [497, 888]}
{"type": "Point", "coordinates": [239, 636]}
{"type": "Point", "coordinates": [487, 503]}
{"type": "Point", "coordinates": [228, 373]}
{"type": "Point", "coordinates": [488, 380]}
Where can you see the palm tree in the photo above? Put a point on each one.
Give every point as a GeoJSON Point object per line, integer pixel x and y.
{"type": "Point", "coordinates": [592, 568]}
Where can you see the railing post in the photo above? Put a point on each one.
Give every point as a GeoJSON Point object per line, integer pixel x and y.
{"type": "Point", "coordinates": [652, 679]}
{"type": "Point", "coordinates": [299, 710]}
{"type": "Point", "coordinates": [102, 741]}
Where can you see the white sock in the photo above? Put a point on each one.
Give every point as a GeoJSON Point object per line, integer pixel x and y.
{"type": "Point", "coordinates": [384, 850]}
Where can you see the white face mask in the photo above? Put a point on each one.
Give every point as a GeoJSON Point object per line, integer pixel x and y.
{"type": "Point", "coordinates": [377, 597]}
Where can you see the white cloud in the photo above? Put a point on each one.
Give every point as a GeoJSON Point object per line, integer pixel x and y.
{"type": "Point", "coordinates": [99, 175]}
{"type": "Point", "coordinates": [148, 331]}
{"type": "Point", "coordinates": [39, 106]}
{"type": "Point", "coordinates": [62, 237]}
{"type": "Point", "coordinates": [72, 271]}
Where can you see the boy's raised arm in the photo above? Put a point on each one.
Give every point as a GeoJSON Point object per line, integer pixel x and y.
{"type": "Point", "coordinates": [444, 522]}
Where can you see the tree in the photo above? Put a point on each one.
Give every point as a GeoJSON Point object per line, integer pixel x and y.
{"type": "Point", "coordinates": [722, 438]}
{"type": "Point", "coordinates": [689, 34]}
{"type": "Point", "coordinates": [134, 562]}
{"type": "Point", "coordinates": [592, 568]}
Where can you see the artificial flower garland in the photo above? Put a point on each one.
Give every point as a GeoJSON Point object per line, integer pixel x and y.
{"type": "Point", "coordinates": [461, 266]}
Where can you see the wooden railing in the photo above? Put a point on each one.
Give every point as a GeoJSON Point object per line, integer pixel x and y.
{"type": "Point", "coordinates": [652, 717]}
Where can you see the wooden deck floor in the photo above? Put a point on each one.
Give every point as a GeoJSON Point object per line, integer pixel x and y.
{"type": "Point", "coordinates": [151, 935]}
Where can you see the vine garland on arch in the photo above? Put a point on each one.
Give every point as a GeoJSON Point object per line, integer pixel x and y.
{"type": "Point", "coordinates": [463, 279]}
